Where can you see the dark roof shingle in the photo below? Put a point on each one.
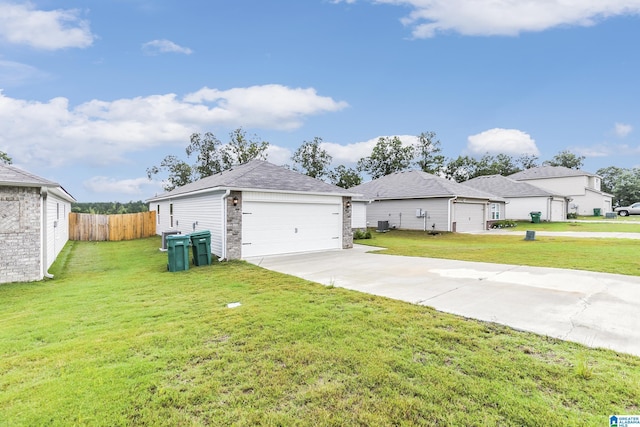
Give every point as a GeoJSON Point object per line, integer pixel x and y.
{"type": "Point", "coordinates": [258, 175]}
{"type": "Point", "coordinates": [416, 185]}
{"type": "Point", "coordinates": [506, 187]}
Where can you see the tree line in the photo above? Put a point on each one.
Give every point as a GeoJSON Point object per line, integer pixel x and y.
{"type": "Point", "coordinates": [110, 208]}
{"type": "Point", "coordinates": [389, 155]}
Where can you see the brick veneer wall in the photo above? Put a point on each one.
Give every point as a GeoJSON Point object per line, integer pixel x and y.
{"type": "Point", "coordinates": [20, 226]}
{"type": "Point", "coordinates": [234, 226]}
{"type": "Point", "coordinates": [347, 231]}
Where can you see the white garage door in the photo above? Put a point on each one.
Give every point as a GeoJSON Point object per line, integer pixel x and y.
{"type": "Point", "coordinates": [557, 210]}
{"type": "Point", "coordinates": [270, 228]}
{"type": "Point", "coordinates": [469, 217]}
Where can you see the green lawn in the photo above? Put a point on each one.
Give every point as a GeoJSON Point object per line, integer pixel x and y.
{"type": "Point", "coordinates": [618, 256]}
{"type": "Point", "coordinates": [117, 340]}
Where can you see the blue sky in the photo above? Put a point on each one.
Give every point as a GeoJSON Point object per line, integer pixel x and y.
{"type": "Point", "coordinates": [93, 93]}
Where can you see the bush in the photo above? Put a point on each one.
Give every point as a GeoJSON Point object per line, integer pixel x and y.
{"type": "Point", "coordinates": [504, 223]}
{"type": "Point", "coordinates": [572, 215]}
{"type": "Point", "coordinates": [361, 234]}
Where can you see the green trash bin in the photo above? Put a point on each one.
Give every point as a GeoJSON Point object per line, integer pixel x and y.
{"type": "Point", "coordinates": [201, 244]}
{"type": "Point", "coordinates": [535, 216]}
{"type": "Point", "coordinates": [178, 250]}
{"type": "Point", "coordinates": [597, 212]}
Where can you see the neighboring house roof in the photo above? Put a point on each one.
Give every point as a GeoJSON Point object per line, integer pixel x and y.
{"type": "Point", "coordinates": [506, 187]}
{"type": "Point", "coordinates": [11, 176]}
{"type": "Point", "coordinates": [548, 172]}
{"type": "Point", "coordinates": [258, 175]}
{"type": "Point", "coordinates": [417, 185]}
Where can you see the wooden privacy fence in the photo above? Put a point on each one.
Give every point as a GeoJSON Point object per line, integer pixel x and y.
{"type": "Point", "coordinates": [111, 227]}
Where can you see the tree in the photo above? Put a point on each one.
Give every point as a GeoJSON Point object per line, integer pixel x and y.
{"type": "Point", "coordinates": [528, 161]}
{"type": "Point", "coordinates": [567, 159]}
{"type": "Point", "coordinates": [180, 173]}
{"type": "Point", "coordinates": [345, 177]}
{"type": "Point", "coordinates": [388, 156]}
{"type": "Point", "coordinates": [623, 183]}
{"type": "Point", "coordinates": [610, 176]}
{"type": "Point", "coordinates": [4, 158]}
{"type": "Point", "coordinates": [241, 150]}
{"type": "Point", "coordinates": [461, 169]}
{"type": "Point", "coordinates": [500, 164]}
{"type": "Point", "coordinates": [427, 151]}
{"type": "Point", "coordinates": [207, 147]}
{"type": "Point", "coordinates": [211, 157]}
{"type": "Point", "coordinates": [311, 159]}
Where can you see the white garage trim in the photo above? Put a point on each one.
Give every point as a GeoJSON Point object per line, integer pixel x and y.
{"type": "Point", "coordinates": [279, 223]}
{"type": "Point", "coordinates": [469, 216]}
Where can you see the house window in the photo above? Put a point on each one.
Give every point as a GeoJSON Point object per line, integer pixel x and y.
{"type": "Point", "coordinates": [495, 210]}
{"type": "Point", "coordinates": [171, 214]}
{"type": "Point", "coordinates": [57, 210]}
{"type": "Point", "coordinates": [158, 214]}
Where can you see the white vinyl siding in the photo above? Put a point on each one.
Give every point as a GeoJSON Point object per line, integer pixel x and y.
{"type": "Point", "coordinates": [279, 223]}
{"type": "Point", "coordinates": [194, 213]}
{"type": "Point", "coordinates": [402, 214]}
{"type": "Point", "coordinates": [57, 226]}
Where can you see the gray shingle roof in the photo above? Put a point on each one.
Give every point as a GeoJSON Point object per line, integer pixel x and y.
{"type": "Point", "coordinates": [11, 175]}
{"type": "Point", "coordinates": [417, 185]}
{"type": "Point", "coordinates": [258, 175]}
{"type": "Point", "coordinates": [506, 187]}
{"type": "Point", "coordinates": [547, 172]}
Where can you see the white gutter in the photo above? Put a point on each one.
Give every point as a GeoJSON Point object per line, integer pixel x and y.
{"type": "Point", "coordinates": [449, 204]}
{"type": "Point", "coordinates": [224, 225]}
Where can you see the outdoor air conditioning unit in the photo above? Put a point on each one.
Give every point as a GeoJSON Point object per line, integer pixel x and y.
{"type": "Point", "coordinates": [164, 238]}
{"type": "Point", "coordinates": [383, 226]}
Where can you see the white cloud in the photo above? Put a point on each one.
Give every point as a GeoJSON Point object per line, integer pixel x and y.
{"type": "Point", "coordinates": [278, 155]}
{"type": "Point", "coordinates": [506, 17]}
{"type": "Point", "coordinates": [621, 130]}
{"type": "Point", "coordinates": [103, 132]}
{"type": "Point", "coordinates": [16, 74]}
{"type": "Point", "coordinates": [136, 186]}
{"type": "Point", "coordinates": [156, 47]}
{"type": "Point", "coordinates": [49, 30]}
{"type": "Point", "coordinates": [273, 106]}
{"type": "Point", "coordinates": [506, 141]}
{"type": "Point", "coordinates": [353, 152]}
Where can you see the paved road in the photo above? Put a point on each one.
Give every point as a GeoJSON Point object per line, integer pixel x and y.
{"type": "Point", "coordinates": [595, 309]}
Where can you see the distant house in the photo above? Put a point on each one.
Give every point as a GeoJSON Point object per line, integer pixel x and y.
{"type": "Point", "coordinates": [34, 224]}
{"type": "Point", "coordinates": [522, 198]}
{"type": "Point", "coordinates": [416, 200]}
{"type": "Point", "coordinates": [582, 189]}
{"type": "Point", "coordinates": [259, 209]}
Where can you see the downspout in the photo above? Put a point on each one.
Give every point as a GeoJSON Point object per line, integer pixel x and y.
{"type": "Point", "coordinates": [44, 193]}
{"type": "Point", "coordinates": [449, 204]}
{"type": "Point", "coordinates": [224, 225]}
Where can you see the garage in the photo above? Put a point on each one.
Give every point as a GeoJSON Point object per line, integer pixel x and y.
{"type": "Point", "coordinates": [469, 216]}
{"type": "Point", "coordinates": [274, 226]}
{"type": "Point", "coordinates": [260, 209]}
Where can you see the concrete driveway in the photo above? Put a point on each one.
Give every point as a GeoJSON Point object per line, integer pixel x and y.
{"type": "Point", "coordinates": [595, 309]}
